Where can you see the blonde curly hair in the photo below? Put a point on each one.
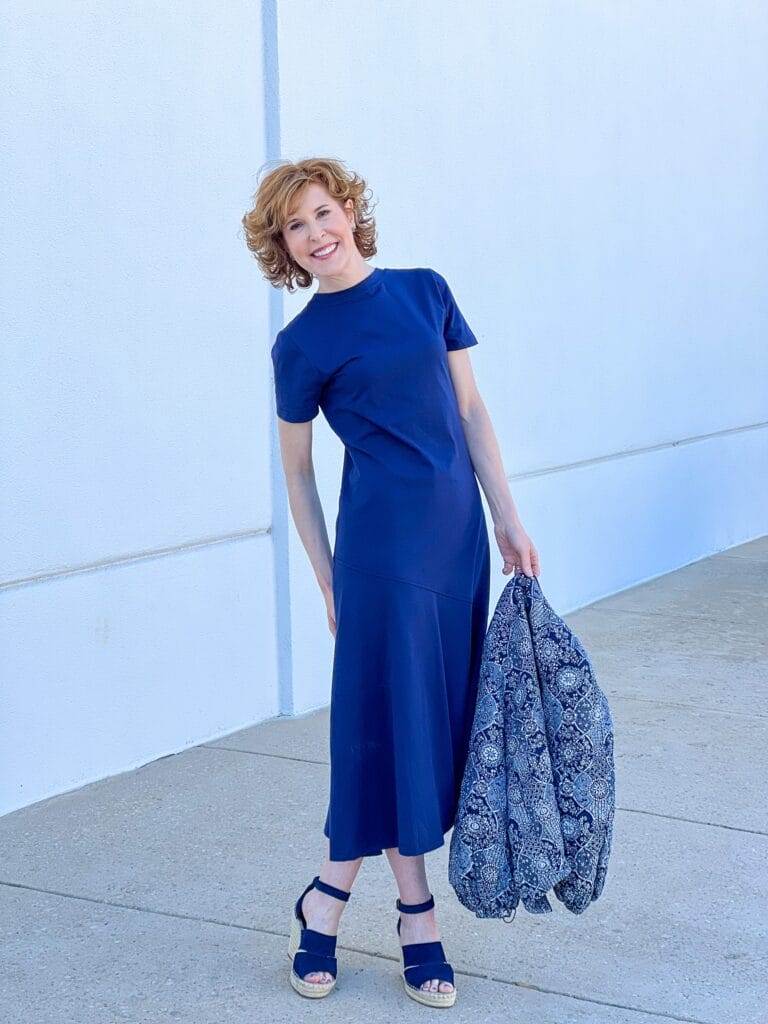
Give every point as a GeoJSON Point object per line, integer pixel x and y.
{"type": "Point", "coordinates": [275, 198]}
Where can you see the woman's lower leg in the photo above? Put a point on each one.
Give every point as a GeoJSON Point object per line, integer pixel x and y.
{"type": "Point", "coordinates": [323, 912]}
{"type": "Point", "coordinates": [411, 877]}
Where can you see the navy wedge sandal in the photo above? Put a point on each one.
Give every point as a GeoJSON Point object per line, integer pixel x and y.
{"type": "Point", "coordinates": [311, 950]}
{"type": "Point", "coordinates": [421, 961]}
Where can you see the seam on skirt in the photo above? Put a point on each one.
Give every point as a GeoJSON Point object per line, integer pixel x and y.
{"type": "Point", "coordinates": [399, 579]}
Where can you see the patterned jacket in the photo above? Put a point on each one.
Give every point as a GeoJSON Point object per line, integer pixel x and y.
{"type": "Point", "coordinates": [538, 792]}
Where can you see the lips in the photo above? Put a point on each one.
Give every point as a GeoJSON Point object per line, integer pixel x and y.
{"type": "Point", "coordinates": [322, 254]}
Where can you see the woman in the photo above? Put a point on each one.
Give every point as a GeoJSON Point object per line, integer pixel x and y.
{"type": "Point", "coordinates": [383, 353]}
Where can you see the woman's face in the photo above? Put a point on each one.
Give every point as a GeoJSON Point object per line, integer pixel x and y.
{"type": "Point", "coordinates": [318, 233]}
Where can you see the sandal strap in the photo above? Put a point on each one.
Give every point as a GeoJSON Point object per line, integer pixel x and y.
{"type": "Point", "coordinates": [419, 973]}
{"type": "Point", "coordinates": [415, 908]}
{"type": "Point", "coordinates": [415, 953]}
{"type": "Point", "coordinates": [424, 961]}
{"type": "Point", "coordinates": [330, 890]}
{"type": "Point", "coordinates": [306, 962]}
{"type": "Point", "coordinates": [317, 942]}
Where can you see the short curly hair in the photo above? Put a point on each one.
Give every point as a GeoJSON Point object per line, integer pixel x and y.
{"type": "Point", "coordinates": [273, 201]}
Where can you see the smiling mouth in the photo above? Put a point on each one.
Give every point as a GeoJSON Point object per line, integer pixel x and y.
{"type": "Point", "coordinates": [325, 252]}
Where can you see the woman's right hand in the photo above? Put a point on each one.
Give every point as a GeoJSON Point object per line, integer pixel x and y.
{"type": "Point", "coordinates": [331, 611]}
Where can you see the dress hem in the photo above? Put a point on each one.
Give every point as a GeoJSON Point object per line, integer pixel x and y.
{"type": "Point", "coordinates": [393, 845]}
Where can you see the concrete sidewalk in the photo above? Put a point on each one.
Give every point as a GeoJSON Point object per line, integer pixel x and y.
{"type": "Point", "coordinates": [164, 894]}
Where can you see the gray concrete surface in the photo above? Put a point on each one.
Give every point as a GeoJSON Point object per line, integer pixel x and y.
{"type": "Point", "coordinates": [164, 894]}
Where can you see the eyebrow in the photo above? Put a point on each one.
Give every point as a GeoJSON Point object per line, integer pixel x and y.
{"type": "Point", "coordinates": [295, 215]}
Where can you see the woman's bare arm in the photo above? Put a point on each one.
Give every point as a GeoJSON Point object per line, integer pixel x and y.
{"type": "Point", "coordinates": [515, 545]}
{"type": "Point", "coordinates": [303, 499]}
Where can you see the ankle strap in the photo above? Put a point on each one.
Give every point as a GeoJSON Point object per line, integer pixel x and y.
{"type": "Point", "coordinates": [415, 908]}
{"type": "Point", "coordinates": [330, 890]}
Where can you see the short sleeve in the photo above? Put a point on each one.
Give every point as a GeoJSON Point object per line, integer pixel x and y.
{"type": "Point", "coordinates": [298, 384]}
{"type": "Point", "coordinates": [456, 330]}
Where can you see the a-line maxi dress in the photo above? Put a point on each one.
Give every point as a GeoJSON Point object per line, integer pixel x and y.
{"type": "Point", "coordinates": [410, 558]}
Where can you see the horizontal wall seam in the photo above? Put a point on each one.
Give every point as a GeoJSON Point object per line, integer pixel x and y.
{"type": "Point", "coordinates": [245, 534]}
{"type": "Point", "coordinates": [628, 452]}
{"type": "Point", "coordinates": [138, 556]}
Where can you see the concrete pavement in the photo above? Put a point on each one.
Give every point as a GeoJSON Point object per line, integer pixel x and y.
{"type": "Point", "coordinates": [164, 894]}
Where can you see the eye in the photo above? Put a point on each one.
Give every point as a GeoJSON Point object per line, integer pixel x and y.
{"type": "Point", "coordinates": [297, 223]}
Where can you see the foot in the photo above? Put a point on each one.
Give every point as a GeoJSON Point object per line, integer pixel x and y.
{"type": "Point", "coordinates": [423, 928]}
{"type": "Point", "coordinates": [322, 913]}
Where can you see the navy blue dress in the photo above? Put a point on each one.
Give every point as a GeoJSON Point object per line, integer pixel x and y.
{"type": "Point", "coordinates": [411, 559]}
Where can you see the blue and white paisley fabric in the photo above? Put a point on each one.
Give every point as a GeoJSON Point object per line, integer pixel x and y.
{"type": "Point", "coordinates": [537, 798]}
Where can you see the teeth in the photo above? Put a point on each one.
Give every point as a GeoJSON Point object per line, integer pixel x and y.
{"type": "Point", "coordinates": [327, 249]}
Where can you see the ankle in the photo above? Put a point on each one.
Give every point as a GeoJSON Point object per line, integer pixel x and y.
{"type": "Point", "coordinates": [423, 924]}
{"type": "Point", "coordinates": [415, 898]}
{"type": "Point", "coordinates": [322, 906]}
{"type": "Point", "coordinates": [423, 916]}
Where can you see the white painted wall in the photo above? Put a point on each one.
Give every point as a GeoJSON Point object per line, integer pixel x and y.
{"type": "Point", "coordinates": [589, 178]}
{"type": "Point", "coordinates": [138, 611]}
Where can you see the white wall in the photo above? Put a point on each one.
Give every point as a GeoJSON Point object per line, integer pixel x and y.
{"type": "Point", "coordinates": [138, 609]}
{"type": "Point", "coordinates": [590, 179]}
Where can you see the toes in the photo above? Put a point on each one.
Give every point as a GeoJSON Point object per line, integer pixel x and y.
{"type": "Point", "coordinates": [317, 977]}
{"type": "Point", "coordinates": [437, 986]}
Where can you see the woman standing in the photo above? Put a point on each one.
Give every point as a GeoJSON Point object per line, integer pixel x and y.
{"type": "Point", "coordinates": [382, 353]}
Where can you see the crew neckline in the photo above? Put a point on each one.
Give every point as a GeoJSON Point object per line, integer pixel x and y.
{"type": "Point", "coordinates": [367, 286]}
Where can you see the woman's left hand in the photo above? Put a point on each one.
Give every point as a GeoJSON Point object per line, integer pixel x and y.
{"type": "Point", "coordinates": [517, 548]}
